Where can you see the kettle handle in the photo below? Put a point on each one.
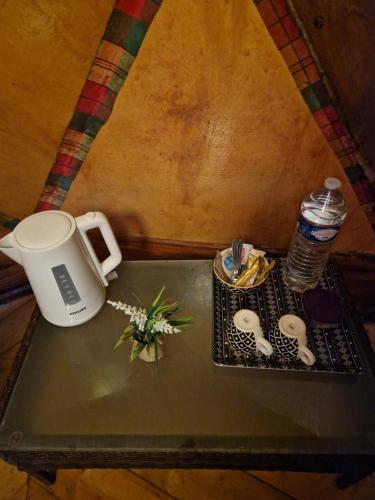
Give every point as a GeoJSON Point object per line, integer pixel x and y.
{"type": "Point", "coordinates": [92, 220]}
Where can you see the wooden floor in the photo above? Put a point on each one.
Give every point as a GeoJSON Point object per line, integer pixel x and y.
{"type": "Point", "coordinates": [139, 484]}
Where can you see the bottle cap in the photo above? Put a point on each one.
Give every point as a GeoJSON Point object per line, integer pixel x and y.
{"type": "Point", "coordinates": [332, 183]}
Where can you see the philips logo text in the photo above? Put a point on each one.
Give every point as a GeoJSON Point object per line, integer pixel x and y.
{"type": "Point", "coordinates": [79, 310]}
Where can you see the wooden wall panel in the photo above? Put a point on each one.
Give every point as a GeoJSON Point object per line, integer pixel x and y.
{"type": "Point", "coordinates": [345, 45]}
{"type": "Point", "coordinates": [46, 49]}
{"type": "Point", "coordinates": [210, 138]}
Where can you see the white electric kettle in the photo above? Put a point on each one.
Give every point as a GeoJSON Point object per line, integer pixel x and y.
{"type": "Point", "coordinates": [64, 272]}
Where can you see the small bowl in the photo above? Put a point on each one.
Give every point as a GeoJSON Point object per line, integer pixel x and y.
{"type": "Point", "coordinates": [220, 275]}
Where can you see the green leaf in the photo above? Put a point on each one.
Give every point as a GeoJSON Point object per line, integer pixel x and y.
{"type": "Point", "coordinates": [136, 351]}
{"type": "Point", "coordinates": [156, 354]}
{"type": "Point", "coordinates": [137, 298]}
{"type": "Point", "coordinates": [149, 324]}
{"type": "Point", "coordinates": [180, 321]}
{"type": "Point", "coordinates": [165, 309]}
{"type": "Point", "coordinates": [122, 339]}
{"type": "Point", "coordinates": [155, 304]}
{"type": "Point", "coordinates": [128, 328]}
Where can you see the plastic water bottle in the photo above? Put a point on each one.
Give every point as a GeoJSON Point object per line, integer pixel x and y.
{"type": "Point", "coordinates": [321, 216]}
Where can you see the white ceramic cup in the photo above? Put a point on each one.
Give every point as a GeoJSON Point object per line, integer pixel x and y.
{"type": "Point", "coordinates": [247, 334]}
{"type": "Point", "coordinates": [288, 339]}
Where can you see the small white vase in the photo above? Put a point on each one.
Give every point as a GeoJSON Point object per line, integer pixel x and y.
{"type": "Point", "coordinates": [149, 355]}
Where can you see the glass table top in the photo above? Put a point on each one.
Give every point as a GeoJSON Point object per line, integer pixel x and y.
{"type": "Point", "coordinates": [75, 389]}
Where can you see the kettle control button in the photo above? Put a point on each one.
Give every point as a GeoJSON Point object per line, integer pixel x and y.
{"type": "Point", "coordinates": [91, 215]}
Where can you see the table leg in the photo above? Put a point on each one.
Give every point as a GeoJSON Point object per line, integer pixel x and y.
{"type": "Point", "coordinates": [352, 477]}
{"type": "Point", "coordinates": [47, 477]}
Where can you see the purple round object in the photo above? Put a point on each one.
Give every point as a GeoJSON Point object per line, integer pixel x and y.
{"type": "Point", "coordinates": [323, 307]}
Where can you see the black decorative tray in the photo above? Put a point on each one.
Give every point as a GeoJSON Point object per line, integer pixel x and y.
{"type": "Point", "coordinates": [335, 350]}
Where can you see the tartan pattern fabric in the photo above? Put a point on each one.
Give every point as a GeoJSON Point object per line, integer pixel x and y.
{"type": "Point", "coordinates": [290, 41]}
{"type": "Point", "coordinates": [119, 47]}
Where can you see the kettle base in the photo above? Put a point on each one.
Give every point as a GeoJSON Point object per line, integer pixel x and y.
{"type": "Point", "coordinates": [78, 317]}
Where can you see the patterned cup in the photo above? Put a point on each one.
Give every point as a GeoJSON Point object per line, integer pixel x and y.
{"type": "Point", "coordinates": [288, 339]}
{"type": "Point", "coordinates": [245, 333]}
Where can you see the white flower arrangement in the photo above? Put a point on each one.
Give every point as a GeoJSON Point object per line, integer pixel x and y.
{"type": "Point", "coordinates": [147, 326]}
{"type": "Point", "coordinates": [137, 314]}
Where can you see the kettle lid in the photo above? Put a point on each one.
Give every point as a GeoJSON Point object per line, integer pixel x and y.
{"type": "Point", "coordinates": [43, 230]}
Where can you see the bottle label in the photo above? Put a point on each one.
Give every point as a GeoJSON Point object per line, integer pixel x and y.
{"type": "Point", "coordinates": [316, 233]}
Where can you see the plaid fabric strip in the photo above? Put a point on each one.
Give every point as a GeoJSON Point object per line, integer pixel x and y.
{"type": "Point", "coordinates": [282, 26]}
{"type": "Point", "coordinates": [121, 42]}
